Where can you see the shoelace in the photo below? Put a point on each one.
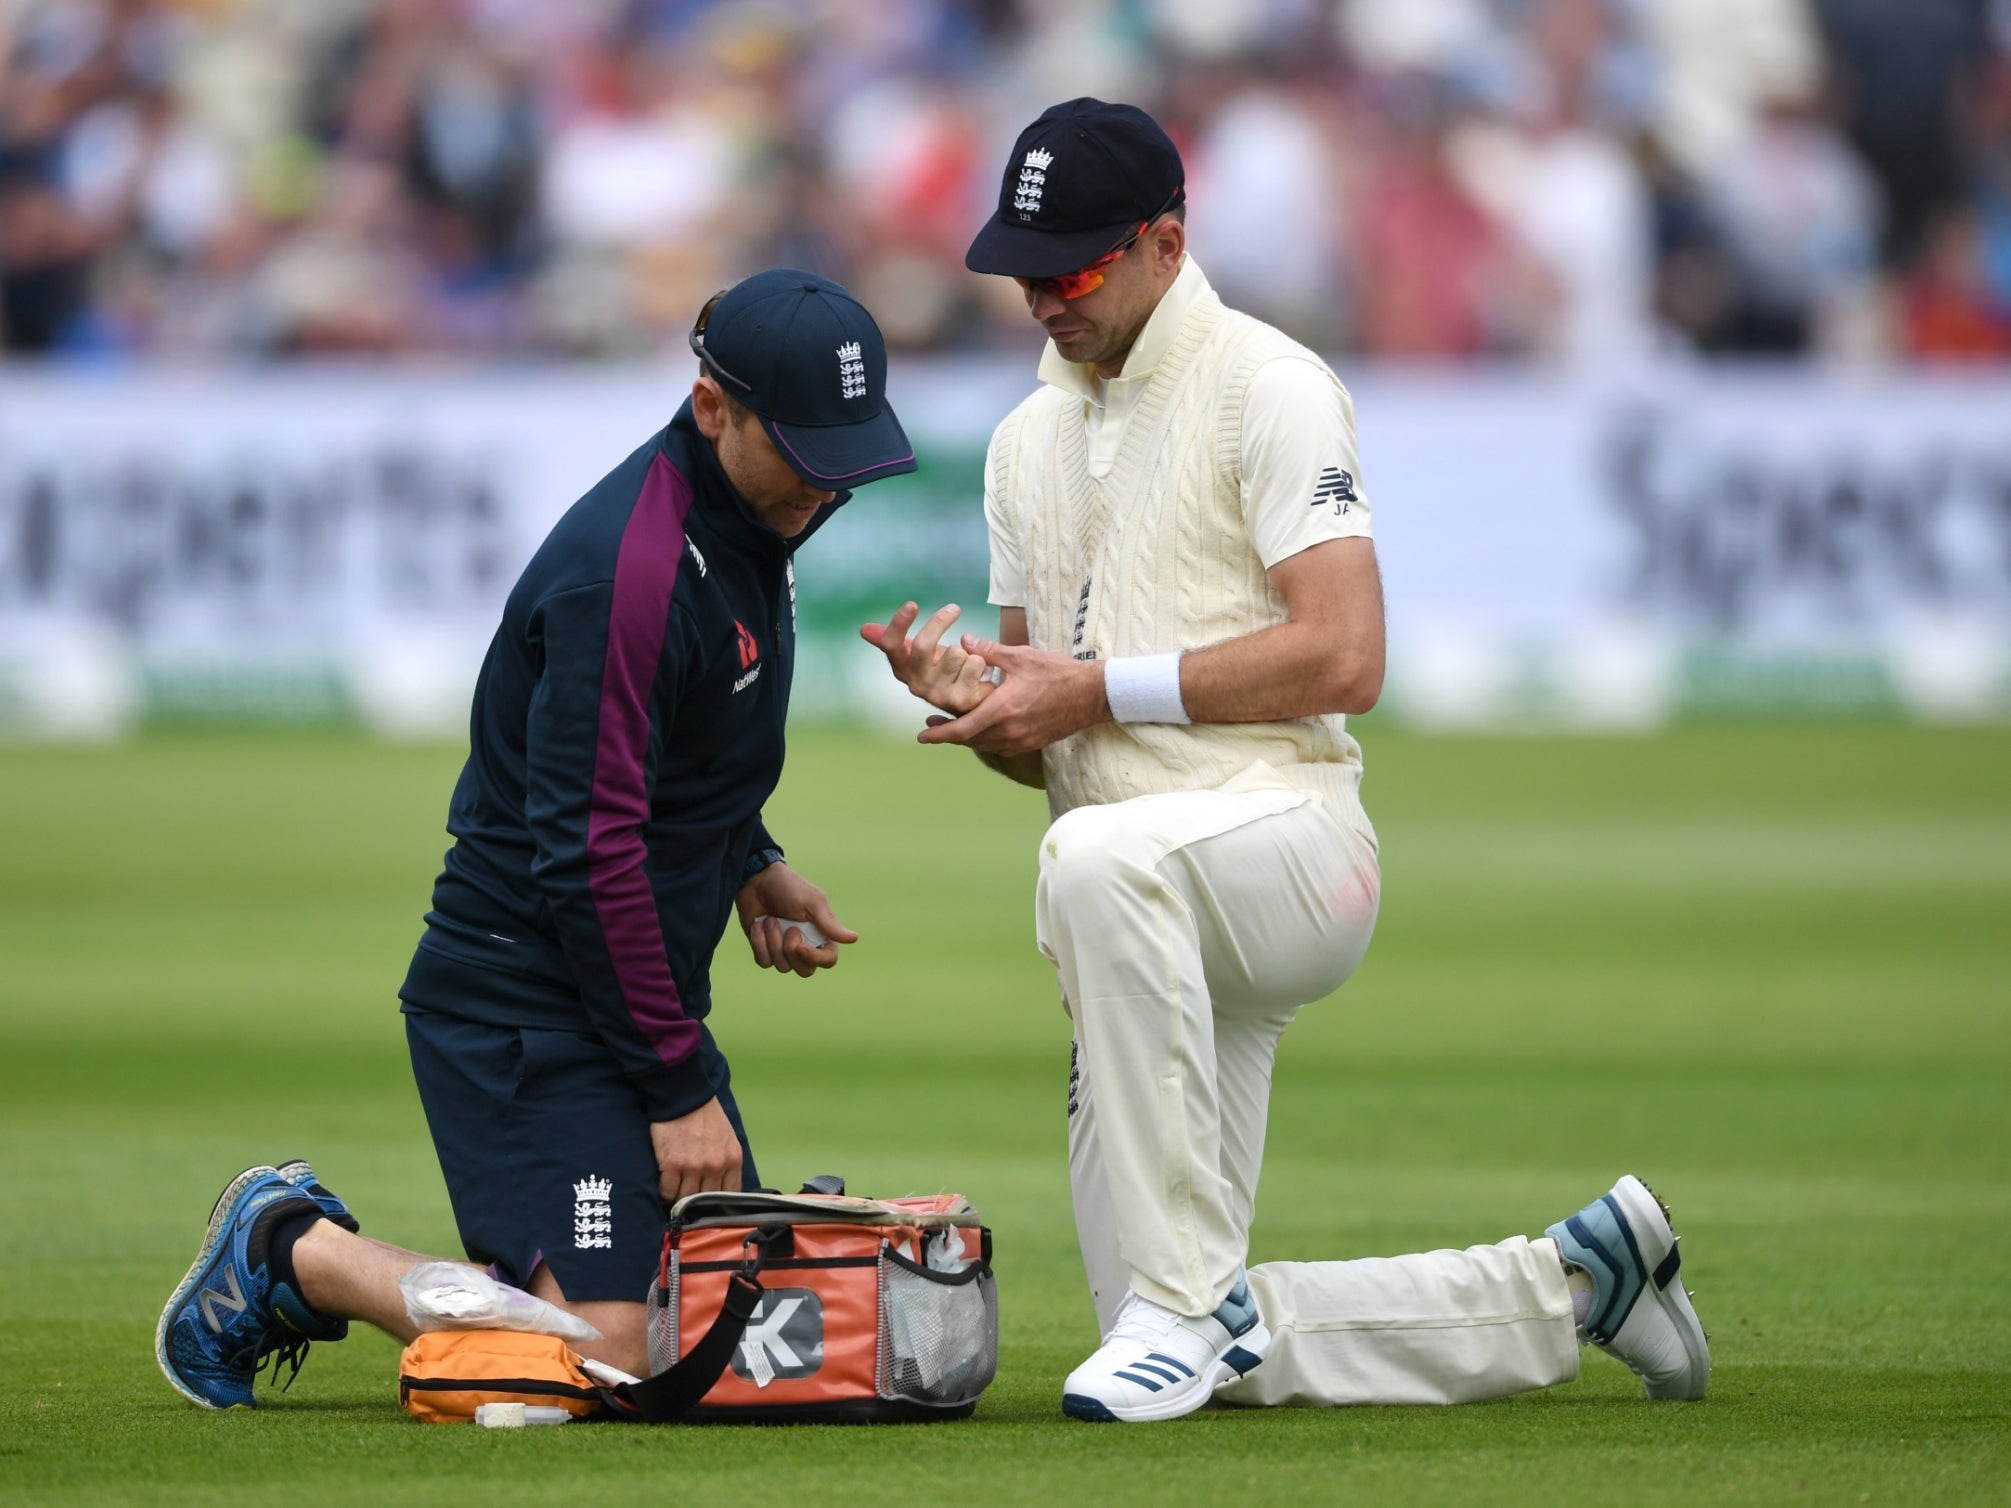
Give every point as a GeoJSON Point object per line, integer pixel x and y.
{"type": "Point", "coordinates": [274, 1347]}
{"type": "Point", "coordinates": [1141, 1321]}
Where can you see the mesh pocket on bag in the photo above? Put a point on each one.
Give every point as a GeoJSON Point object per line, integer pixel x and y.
{"type": "Point", "coordinates": [939, 1331]}
{"type": "Point", "coordinates": [662, 1319]}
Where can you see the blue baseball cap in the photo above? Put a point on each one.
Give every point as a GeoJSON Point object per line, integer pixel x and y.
{"type": "Point", "coordinates": [1081, 179]}
{"type": "Point", "coordinates": [806, 357]}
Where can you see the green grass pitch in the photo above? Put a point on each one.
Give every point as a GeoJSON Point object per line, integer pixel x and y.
{"type": "Point", "coordinates": [1765, 967]}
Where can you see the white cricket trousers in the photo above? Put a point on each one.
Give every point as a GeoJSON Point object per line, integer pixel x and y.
{"type": "Point", "coordinates": [1188, 930]}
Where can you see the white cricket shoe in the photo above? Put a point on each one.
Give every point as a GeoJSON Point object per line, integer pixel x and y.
{"type": "Point", "coordinates": [1641, 1314]}
{"type": "Point", "coordinates": [1156, 1364]}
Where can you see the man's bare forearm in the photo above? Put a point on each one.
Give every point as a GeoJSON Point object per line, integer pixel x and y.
{"type": "Point", "coordinates": [1292, 670]}
{"type": "Point", "coordinates": [1024, 768]}
{"type": "Point", "coordinates": [1327, 658]}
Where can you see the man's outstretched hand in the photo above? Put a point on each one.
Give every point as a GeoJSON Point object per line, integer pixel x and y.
{"type": "Point", "coordinates": [943, 675]}
{"type": "Point", "coordinates": [1041, 698]}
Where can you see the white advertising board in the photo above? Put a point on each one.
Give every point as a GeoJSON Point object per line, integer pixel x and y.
{"type": "Point", "coordinates": [299, 542]}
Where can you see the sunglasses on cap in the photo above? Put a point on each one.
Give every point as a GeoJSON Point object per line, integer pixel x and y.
{"type": "Point", "coordinates": [697, 342]}
{"type": "Point", "coordinates": [1090, 278]}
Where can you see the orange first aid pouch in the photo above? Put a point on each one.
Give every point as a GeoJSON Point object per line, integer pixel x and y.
{"type": "Point", "coordinates": [445, 1375]}
{"type": "Point", "coordinates": [818, 1307]}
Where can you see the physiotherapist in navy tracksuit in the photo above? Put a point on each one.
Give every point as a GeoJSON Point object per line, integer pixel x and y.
{"type": "Point", "coordinates": [627, 728]}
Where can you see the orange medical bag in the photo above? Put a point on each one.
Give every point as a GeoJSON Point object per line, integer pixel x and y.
{"type": "Point", "coordinates": [818, 1307]}
{"type": "Point", "coordinates": [445, 1375]}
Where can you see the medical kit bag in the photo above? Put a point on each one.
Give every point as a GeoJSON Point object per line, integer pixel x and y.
{"type": "Point", "coordinates": [817, 1307]}
{"type": "Point", "coordinates": [445, 1375]}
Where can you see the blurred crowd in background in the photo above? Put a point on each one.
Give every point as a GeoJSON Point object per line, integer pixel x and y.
{"type": "Point", "coordinates": [1564, 180]}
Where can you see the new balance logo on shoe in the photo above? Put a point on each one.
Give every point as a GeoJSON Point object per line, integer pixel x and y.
{"type": "Point", "coordinates": [231, 1298]}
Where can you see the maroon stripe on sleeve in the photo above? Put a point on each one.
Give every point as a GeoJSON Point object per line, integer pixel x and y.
{"type": "Point", "coordinates": [617, 869]}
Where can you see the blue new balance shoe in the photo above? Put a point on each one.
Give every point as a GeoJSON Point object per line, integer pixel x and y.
{"type": "Point", "coordinates": [1641, 1315]}
{"type": "Point", "coordinates": [228, 1318]}
{"type": "Point", "coordinates": [1157, 1364]}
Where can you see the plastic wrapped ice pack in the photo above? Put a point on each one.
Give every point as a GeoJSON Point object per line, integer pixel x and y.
{"type": "Point", "coordinates": [455, 1296]}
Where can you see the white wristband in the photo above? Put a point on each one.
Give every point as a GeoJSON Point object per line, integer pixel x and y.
{"type": "Point", "coordinates": [1145, 689]}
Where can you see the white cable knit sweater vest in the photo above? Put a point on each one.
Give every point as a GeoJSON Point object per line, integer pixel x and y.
{"type": "Point", "coordinates": [1156, 557]}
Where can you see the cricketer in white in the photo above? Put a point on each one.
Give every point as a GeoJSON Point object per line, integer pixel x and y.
{"type": "Point", "coordinates": [1178, 531]}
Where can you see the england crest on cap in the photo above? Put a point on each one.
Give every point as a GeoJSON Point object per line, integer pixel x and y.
{"type": "Point", "coordinates": [1032, 180]}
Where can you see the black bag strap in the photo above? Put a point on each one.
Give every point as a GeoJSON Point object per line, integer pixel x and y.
{"type": "Point", "coordinates": [670, 1393]}
{"type": "Point", "coordinates": [675, 1390]}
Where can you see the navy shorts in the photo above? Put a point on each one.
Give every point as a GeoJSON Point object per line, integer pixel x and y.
{"type": "Point", "coordinates": [545, 1146]}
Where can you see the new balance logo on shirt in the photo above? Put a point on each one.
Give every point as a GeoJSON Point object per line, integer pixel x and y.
{"type": "Point", "coordinates": [1336, 487]}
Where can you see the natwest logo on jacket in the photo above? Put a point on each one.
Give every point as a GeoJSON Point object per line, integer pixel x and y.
{"type": "Point", "coordinates": [749, 650]}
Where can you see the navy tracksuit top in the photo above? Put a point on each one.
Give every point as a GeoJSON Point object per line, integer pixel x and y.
{"type": "Point", "coordinates": [627, 727]}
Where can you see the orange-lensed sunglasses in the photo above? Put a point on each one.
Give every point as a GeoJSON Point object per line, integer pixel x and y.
{"type": "Point", "coordinates": [1084, 279]}
{"type": "Point", "coordinates": [1088, 279]}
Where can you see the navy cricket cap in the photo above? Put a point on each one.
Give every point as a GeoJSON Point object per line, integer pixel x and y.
{"type": "Point", "coordinates": [807, 358]}
{"type": "Point", "coordinates": [1080, 179]}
